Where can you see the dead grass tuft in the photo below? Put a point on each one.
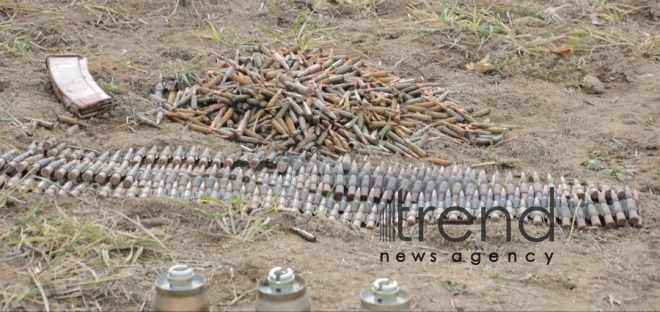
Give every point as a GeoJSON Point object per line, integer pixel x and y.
{"type": "Point", "coordinates": [66, 258]}
{"type": "Point", "coordinates": [20, 39]}
{"type": "Point", "coordinates": [516, 41]}
{"type": "Point", "coordinates": [111, 86]}
{"type": "Point", "coordinates": [361, 5]}
{"type": "Point", "coordinates": [11, 9]}
{"type": "Point", "coordinates": [608, 11]}
{"type": "Point", "coordinates": [232, 219]}
{"type": "Point", "coordinates": [185, 74]}
{"type": "Point", "coordinates": [479, 27]}
{"type": "Point", "coordinates": [224, 35]}
{"type": "Point", "coordinates": [307, 33]}
{"type": "Point", "coordinates": [102, 11]}
{"type": "Point", "coordinates": [652, 46]}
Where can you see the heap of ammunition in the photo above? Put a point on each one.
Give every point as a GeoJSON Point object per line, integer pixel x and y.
{"type": "Point", "coordinates": [337, 189]}
{"type": "Point", "coordinates": [319, 102]}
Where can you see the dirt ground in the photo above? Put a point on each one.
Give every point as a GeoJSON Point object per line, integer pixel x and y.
{"type": "Point", "coordinates": [129, 43]}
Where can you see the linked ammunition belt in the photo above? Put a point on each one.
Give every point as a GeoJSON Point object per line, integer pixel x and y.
{"type": "Point", "coordinates": [337, 189]}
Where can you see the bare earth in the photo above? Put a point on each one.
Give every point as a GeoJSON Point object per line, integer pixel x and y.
{"type": "Point", "coordinates": [562, 125]}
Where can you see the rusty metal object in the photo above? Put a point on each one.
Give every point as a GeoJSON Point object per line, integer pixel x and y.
{"type": "Point", "coordinates": [75, 87]}
{"type": "Point", "coordinates": [41, 123]}
{"type": "Point", "coordinates": [304, 234]}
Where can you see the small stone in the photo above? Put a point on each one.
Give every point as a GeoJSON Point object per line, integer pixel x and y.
{"type": "Point", "coordinates": [592, 85]}
{"type": "Point", "coordinates": [396, 34]}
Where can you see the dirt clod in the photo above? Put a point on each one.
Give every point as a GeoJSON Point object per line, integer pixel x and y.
{"type": "Point", "coordinates": [655, 10]}
{"type": "Point", "coordinates": [4, 84]}
{"type": "Point", "coordinates": [529, 21]}
{"type": "Point", "coordinates": [592, 85]}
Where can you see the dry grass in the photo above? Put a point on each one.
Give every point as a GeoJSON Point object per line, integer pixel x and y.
{"type": "Point", "coordinates": [19, 39]}
{"type": "Point", "coordinates": [652, 46]}
{"type": "Point", "coordinates": [361, 5]}
{"type": "Point", "coordinates": [223, 35]}
{"type": "Point", "coordinates": [608, 11]}
{"type": "Point", "coordinates": [11, 9]}
{"type": "Point", "coordinates": [231, 220]}
{"type": "Point", "coordinates": [64, 262]}
{"type": "Point", "coordinates": [306, 33]}
{"type": "Point", "coordinates": [102, 11]}
{"type": "Point", "coordinates": [111, 86]}
{"type": "Point", "coordinates": [478, 27]}
{"type": "Point", "coordinates": [184, 73]}
{"type": "Point", "coordinates": [67, 260]}
{"type": "Point", "coordinates": [527, 38]}
{"type": "Point", "coordinates": [4, 197]}
{"type": "Point", "coordinates": [480, 24]}
{"type": "Point", "coordinates": [24, 30]}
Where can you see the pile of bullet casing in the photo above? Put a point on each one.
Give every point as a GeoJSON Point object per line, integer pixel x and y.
{"type": "Point", "coordinates": [338, 189]}
{"type": "Point", "coordinates": [321, 103]}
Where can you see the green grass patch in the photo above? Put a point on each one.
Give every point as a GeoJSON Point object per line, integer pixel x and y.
{"type": "Point", "coordinates": [185, 73]}
{"type": "Point", "coordinates": [568, 73]}
{"type": "Point", "coordinates": [656, 176]}
{"type": "Point", "coordinates": [4, 196]}
{"type": "Point", "coordinates": [621, 172]}
{"type": "Point", "coordinates": [111, 87]}
{"type": "Point", "coordinates": [224, 35]}
{"type": "Point", "coordinates": [454, 287]}
{"type": "Point", "coordinates": [481, 24]}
